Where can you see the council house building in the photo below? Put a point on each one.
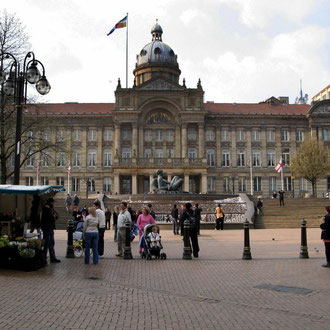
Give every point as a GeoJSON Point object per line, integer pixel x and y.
{"type": "Point", "coordinates": [159, 123]}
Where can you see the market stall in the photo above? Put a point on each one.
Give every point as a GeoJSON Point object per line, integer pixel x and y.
{"type": "Point", "coordinates": [17, 203]}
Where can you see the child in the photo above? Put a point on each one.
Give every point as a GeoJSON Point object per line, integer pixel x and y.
{"type": "Point", "coordinates": [154, 238]}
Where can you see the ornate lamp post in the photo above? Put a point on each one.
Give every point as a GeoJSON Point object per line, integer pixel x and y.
{"type": "Point", "coordinates": [15, 86]}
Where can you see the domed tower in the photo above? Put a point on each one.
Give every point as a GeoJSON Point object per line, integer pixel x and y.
{"type": "Point", "coordinates": [156, 58]}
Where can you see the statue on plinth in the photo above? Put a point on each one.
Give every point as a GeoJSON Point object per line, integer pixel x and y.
{"type": "Point", "coordinates": [160, 185]}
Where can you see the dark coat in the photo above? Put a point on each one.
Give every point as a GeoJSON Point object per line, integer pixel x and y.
{"type": "Point", "coordinates": [198, 212]}
{"type": "Point", "coordinates": [325, 227]}
{"type": "Point", "coordinates": [48, 218]}
{"type": "Point", "coordinates": [175, 213]}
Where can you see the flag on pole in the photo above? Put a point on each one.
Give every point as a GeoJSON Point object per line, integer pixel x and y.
{"type": "Point", "coordinates": [279, 166]}
{"type": "Point", "coordinates": [69, 169]}
{"type": "Point", "coordinates": [122, 23]}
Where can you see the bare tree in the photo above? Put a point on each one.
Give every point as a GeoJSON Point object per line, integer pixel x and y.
{"type": "Point", "coordinates": [311, 162]}
{"type": "Point", "coordinates": [14, 40]}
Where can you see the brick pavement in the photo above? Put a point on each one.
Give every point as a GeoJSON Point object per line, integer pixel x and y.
{"type": "Point", "coordinates": [216, 291]}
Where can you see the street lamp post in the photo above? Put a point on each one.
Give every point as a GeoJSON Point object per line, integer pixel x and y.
{"type": "Point", "coordinates": [15, 86]}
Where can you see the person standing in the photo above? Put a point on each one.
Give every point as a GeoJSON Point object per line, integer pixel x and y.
{"type": "Point", "coordinates": [259, 207]}
{"type": "Point", "coordinates": [175, 216]}
{"type": "Point", "coordinates": [123, 217]}
{"type": "Point", "coordinates": [144, 219]}
{"type": "Point", "coordinates": [91, 235]}
{"type": "Point", "coordinates": [325, 235]}
{"type": "Point", "coordinates": [35, 216]}
{"type": "Point", "coordinates": [152, 212]}
{"type": "Point", "coordinates": [101, 221]}
{"type": "Point", "coordinates": [107, 218]}
{"type": "Point", "coordinates": [220, 215]}
{"type": "Point", "coordinates": [100, 198]}
{"type": "Point", "coordinates": [68, 202]}
{"type": "Point", "coordinates": [182, 211]}
{"type": "Point", "coordinates": [48, 219]}
{"type": "Point", "coordinates": [281, 196]}
{"type": "Point", "coordinates": [76, 200]}
{"type": "Point", "coordinates": [198, 216]}
{"type": "Point", "coordinates": [114, 221]}
{"type": "Point", "coordinates": [188, 214]}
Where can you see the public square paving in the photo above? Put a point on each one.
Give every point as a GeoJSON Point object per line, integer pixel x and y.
{"type": "Point", "coordinates": [218, 290]}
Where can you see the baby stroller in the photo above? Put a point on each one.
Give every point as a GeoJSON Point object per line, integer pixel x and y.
{"type": "Point", "coordinates": [148, 250]}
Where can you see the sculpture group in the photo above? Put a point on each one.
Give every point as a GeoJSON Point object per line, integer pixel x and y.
{"type": "Point", "coordinates": [161, 185]}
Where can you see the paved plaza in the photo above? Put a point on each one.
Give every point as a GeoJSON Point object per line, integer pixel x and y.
{"type": "Point", "coordinates": [275, 290]}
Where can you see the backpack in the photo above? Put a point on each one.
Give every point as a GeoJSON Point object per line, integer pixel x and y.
{"type": "Point", "coordinates": [192, 220]}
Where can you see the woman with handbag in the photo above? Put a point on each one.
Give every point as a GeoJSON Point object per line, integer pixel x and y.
{"type": "Point", "coordinates": [325, 235]}
{"type": "Point", "coordinates": [144, 219]}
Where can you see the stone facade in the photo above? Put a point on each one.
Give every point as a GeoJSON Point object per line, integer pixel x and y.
{"type": "Point", "coordinates": [159, 123]}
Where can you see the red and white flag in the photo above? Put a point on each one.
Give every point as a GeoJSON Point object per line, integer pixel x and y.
{"type": "Point", "coordinates": [279, 166]}
{"type": "Point", "coordinates": [69, 169]}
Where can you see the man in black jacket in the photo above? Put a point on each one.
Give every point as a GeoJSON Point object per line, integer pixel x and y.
{"type": "Point", "coordinates": [175, 216]}
{"type": "Point", "coordinates": [189, 214]}
{"type": "Point", "coordinates": [48, 218]}
{"type": "Point", "coordinates": [198, 217]}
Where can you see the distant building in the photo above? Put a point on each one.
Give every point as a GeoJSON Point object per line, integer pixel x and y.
{"type": "Point", "coordinates": [324, 94]}
{"type": "Point", "coordinates": [159, 123]}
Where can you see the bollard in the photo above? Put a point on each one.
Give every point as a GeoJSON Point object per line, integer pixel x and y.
{"type": "Point", "coordinates": [247, 249]}
{"type": "Point", "coordinates": [127, 250]}
{"type": "Point", "coordinates": [303, 248]}
{"type": "Point", "coordinates": [69, 248]}
{"type": "Point", "coordinates": [186, 242]}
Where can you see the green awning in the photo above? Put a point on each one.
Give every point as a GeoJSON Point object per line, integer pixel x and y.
{"type": "Point", "coordinates": [29, 190]}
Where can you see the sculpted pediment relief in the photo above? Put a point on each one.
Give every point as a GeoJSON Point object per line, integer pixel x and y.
{"type": "Point", "coordinates": [160, 85]}
{"type": "Point", "coordinates": [322, 109]}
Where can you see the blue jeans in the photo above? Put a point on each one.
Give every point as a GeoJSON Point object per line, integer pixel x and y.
{"type": "Point", "coordinates": [116, 232]}
{"type": "Point", "coordinates": [91, 242]}
{"type": "Point", "coordinates": [49, 244]}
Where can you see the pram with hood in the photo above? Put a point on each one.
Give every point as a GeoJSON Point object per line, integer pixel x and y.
{"type": "Point", "coordinates": [148, 249]}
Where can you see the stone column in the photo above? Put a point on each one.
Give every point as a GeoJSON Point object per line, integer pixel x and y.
{"type": "Point", "coordinates": [204, 184]}
{"type": "Point", "coordinates": [248, 147]}
{"type": "Point", "coordinates": [233, 155]}
{"type": "Point", "coordinates": [116, 188]}
{"type": "Point", "coordinates": [134, 184]}
{"type": "Point", "coordinates": [151, 177]}
{"type": "Point", "coordinates": [184, 141]}
{"type": "Point", "coordinates": [99, 148]}
{"type": "Point", "coordinates": [218, 146]}
{"type": "Point", "coordinates": [134, 140]}
{"type": "Point", "coordinates": [186, 182]}
{"type": "Point", "coordinates": [117, 140]}
{"type": "Point", "coordinates": [141, 140]}
{"type": "Point", "coordinates": [201, 140]}
{"type": "Point", "coordinates": [177, 147]}
{"type": "Point", "coordinates": [83, 148]}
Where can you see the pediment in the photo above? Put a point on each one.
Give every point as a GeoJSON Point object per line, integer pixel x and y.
{"type": "Point", "coordinates": [160, 84]}
{"type": "Point", "coordinates": [320, 108]}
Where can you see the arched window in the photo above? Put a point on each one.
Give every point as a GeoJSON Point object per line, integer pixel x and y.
{"type": "Point", "coordinates": [157, 51]}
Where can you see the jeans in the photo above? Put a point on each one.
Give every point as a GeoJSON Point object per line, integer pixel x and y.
{"type": "Point", "coordinates": [101, 241]}
{"type": "Point", "coordinates": [121, 240]}
{"type": "Point", "coordinates": [49, 245]}
{"type": "Point", "coordinates": [194, 241]}
{"type": "Point", "coordinates": [327, 251]}
{"type": "Point", "coordinates": [91, 242]}
{"type": "Point", "coordinates": [175, 226]}
{"type": "Point", "coordinates": [281, 201]}
{"type": "Point", "coordinates": [219, 223]}
{"type": "Point", "coordinates": [116, 232]}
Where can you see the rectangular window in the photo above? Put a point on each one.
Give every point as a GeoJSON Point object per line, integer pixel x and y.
{"type": "Point", "coordinates": [60, 159]}
{"type": "Point", "coordinates": [170, 152]}
{"type": "Point", "coordinates": [287, 183]}
{"type": "Point", "coordinates": [75, 184]}
{"type": "Point", "coordinates": [226, 184]}
{"type": "Point", "coordinates": [107, 156]}
{"type": "Point", "coordinates": [326, 134]}
{"type": "Point", "coordinates": [107, 186]}
{"type": "Point", "coordinates": [240, 135]}
{"type": "Point", "coordinates": [255, 135]}
{"type": "Point", "coordinates": [147, 153]}
{"type": "Point", "coordinates": [270, 136]}
{"type": "Point", "coordinates": [303, 184]}
{"type": "Point", "coordinates": [271, 157]}
{"type": "Point", "coordinates": [225, 161]}
{"type": "Point", "coordinates": [59, 181]}
{"type": "Point", "coordinates": [92, 135]}
{"type": "Point", "coordinates": [127, 134]}
{"type": "Point", "coordinates": [211, 184]}
{"type": "Point", "coordinates": [159, 153]}
{"type": "Point", "coordinates": [90, 185]}
{"type": "Point", "coordinates": [159, 135]}
{"type": "Point", "coordinates": [148, 135]}
{"type": "Point", "coordinates": [108, 135]}
{"type": "Point", "coordinates": [272, 184]}
{"type": "Point", "coordinates": [30, 160]}
{"type": "Point", "coordinates": [192, 153]}
{"type": "Point", "coordinates": [126, 153]}
{"type": "Point", "coordinates": [225, 135]}
{"type": "Point", "coordinates": [209, 135]}
{"type": "Point", "coordinates": [44, 181]}
{"type": "Point", "coordinates": [256, 157]}
{"type": "Point", "coordinates": [76, 158]}
{"type": "Point", "coordinates": [91, 157]}
{"type": "Point", "coordinates": [210, 156]}
{"type": "Point", "coordinates": [60, 135]}
{"type": "Point", "coordinates": [242, 184]}
{"type": "Point", "coordinates": [29, 181]}
{"type": "Point", "coordinates": [76, 135]}
{"type": "Point", "coordinates": [45, 136]}
{"type": "Point", "coordinates": [170, 135]}
{"type": "Point", "coordinates": [257, 183]}
{"type": "Point", "coordinates": [286, 157]}
{"type": "Point", "coordinates": [241, 158]}
{"type": "Point", "coordinates": [285, 135]}
{"type": "Point", "coordinates": [299, 136]}
{"type": "Point", "coordinates": [192, 134]}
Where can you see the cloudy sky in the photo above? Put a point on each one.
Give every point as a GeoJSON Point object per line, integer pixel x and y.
{"type": "Point", "coordinates": [242, 50]}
